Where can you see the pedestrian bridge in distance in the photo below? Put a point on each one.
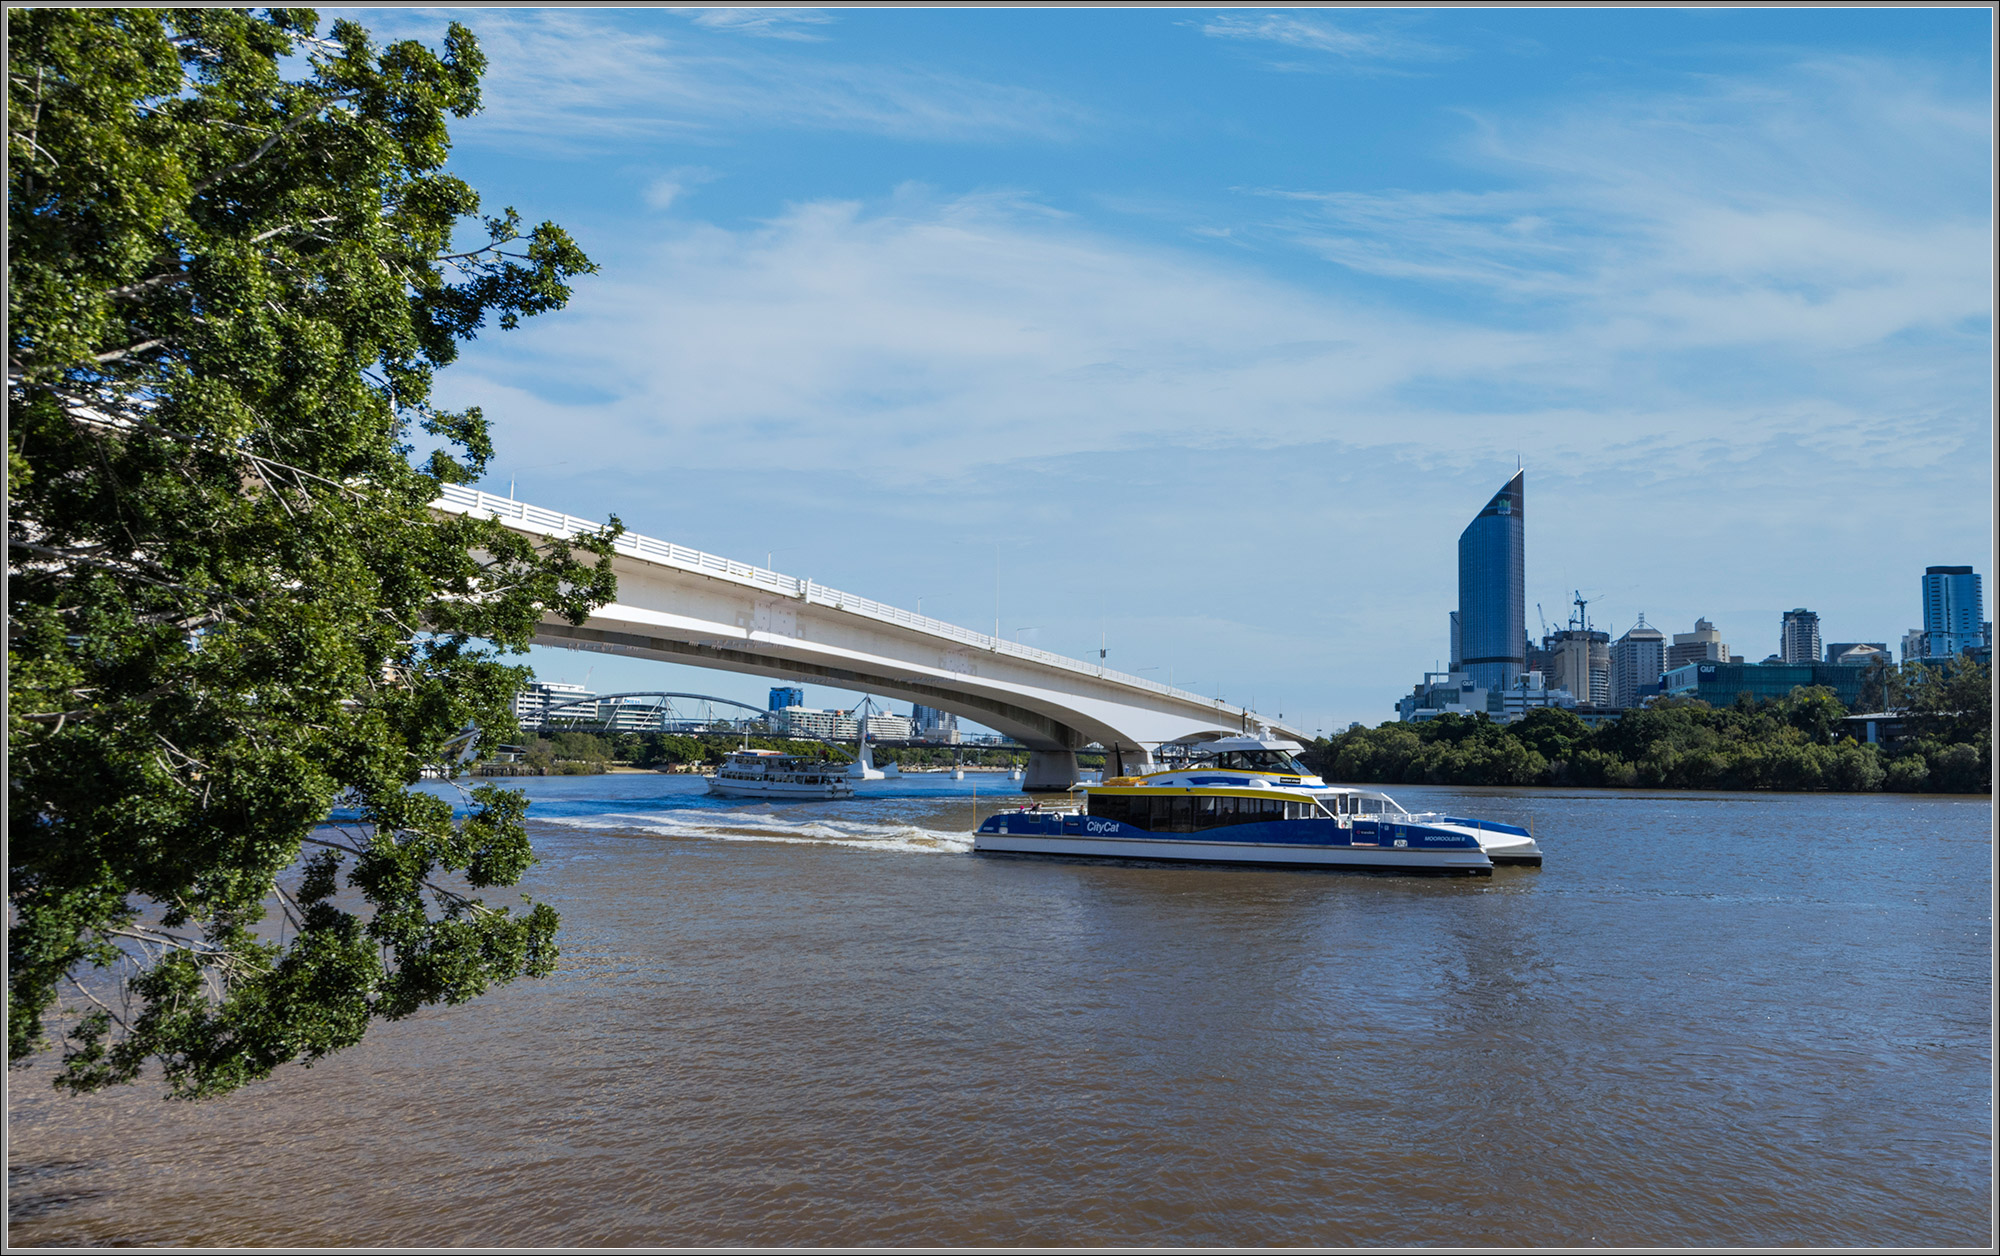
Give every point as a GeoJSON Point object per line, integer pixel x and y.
{"type": "Point", "coordinates": [679, 605]}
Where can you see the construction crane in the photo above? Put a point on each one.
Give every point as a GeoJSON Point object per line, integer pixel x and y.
{"type": "Point", "coordinates": [1581, 620]}
{"type": "Point", "coordinates": [1544, 619]}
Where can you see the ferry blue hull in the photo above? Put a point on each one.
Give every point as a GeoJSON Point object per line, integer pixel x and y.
{"type": "Point", "coordinates": [1367, 844]}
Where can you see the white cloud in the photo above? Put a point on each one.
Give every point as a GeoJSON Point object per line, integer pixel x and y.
{"type": "Point", "coordinates": [663, 192]}
{"type": "Point", "coordinates": [1320, 35]}
{"type": "Point", "coordinates": [958, 331]}
{"type": "Point", "coordinates": [1829, 208]}
{"type": "Point", "coordinates": [953, 336]}
{"type": "Point", "coordinates": [563, 78]}
{"type": "Point", "coordinates": [764, 23]}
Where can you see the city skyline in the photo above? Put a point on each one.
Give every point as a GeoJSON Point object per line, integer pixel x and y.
{"type": "Point", "coordinates": [1086, 304]}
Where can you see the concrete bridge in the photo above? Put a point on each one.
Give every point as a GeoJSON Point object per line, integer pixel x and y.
{"type": "Point", "coordinates": [679, 605]}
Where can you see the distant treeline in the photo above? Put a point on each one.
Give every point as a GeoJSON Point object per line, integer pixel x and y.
{"type": "Point", "coordinates": [1798, 742]}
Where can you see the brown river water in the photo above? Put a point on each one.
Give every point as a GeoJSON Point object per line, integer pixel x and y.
{"type": "Point", "coordinates": [1710, 1019]}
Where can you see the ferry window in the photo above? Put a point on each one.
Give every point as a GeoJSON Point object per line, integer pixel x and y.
{"type": "Point", "coordinates": [1115, 807]}
{"type": "Point", "coordinates": [1259, 761]}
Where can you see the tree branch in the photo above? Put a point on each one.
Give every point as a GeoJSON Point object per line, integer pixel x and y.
{"type": "Point", "coordinates": [128, 351]}
{"type": "Point", "coordinates": [58, 718]}
{"type": "Point", "coordinates": [267, 145]}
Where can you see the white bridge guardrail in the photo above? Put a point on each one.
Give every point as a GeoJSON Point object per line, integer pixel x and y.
{"type": "Point", "coordinates": [457, 499]}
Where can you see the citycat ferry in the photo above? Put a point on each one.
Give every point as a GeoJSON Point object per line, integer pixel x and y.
{"type": "Point", "coordinates": [1247, 800]}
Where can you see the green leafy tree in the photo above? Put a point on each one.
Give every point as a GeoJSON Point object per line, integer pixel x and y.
{"type": "Point", "coordinates": [230, 605]}
{"type": "Point", "coordinates": [1951, 702]}
{"type": "Point", "coordinates": [1551, 732]}
{"type": "Point", "coordinates": [1814, 711]}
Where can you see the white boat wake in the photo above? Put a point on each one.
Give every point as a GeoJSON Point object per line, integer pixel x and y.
{"type": "Point", "coordinates": [740, 826]}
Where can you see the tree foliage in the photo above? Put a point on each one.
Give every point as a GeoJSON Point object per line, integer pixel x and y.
{"type": "Point", "coordinates": [1794, 743]}
{"type": "Point", "coordinates": [229, 291]}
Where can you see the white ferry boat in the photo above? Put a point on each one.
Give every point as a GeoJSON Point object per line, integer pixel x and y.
{"type": "Point", "coordinates": [1247, 800]}
{"type": "Point", "coordinates": [773, 774]}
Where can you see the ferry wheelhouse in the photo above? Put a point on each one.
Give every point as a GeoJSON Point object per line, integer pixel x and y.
{"type": "Point", "coordinates": [1248, 800]}
{"type": "Point", "coordinates": [773, 774]}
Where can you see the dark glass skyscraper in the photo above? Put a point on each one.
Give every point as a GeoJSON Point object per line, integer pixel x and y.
{"type": "Point", "coordinates": [1492, 591]}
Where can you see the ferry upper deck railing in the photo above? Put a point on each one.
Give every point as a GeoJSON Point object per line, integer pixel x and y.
{"type": "Point", "coordinates": [457, 499]}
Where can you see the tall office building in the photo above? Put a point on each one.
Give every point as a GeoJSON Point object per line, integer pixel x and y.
{"type": "Point", "coordinates": [1580, 662]}
{"type": "Point", "coordinates": [1703, 645]}
{"type": "Point", "coordinates": [787, 696]}
{"type": "Point", "coordinates": [1492, 591]}
{"type": "Point", "coordinates": [932, 724]}
{"type": "Point", "coordinates": [1798, 637]}
{"type": "Point", "coordinates": [1638, 660]}
{"type": "Point", "coordinates": [1952, 610]}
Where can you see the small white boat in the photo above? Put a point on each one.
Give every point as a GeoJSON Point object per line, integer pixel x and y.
{"type": "Point", "coordinates": [773, 774]}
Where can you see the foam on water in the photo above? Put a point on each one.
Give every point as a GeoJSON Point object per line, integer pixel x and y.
{"type": "Point", "coordinates": [736, 826]}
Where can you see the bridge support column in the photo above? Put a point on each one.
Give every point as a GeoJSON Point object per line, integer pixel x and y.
{"type": "Point", "coordinates": [1049, 771]}
{"type": "Point", "coordinates": [1126, 761]}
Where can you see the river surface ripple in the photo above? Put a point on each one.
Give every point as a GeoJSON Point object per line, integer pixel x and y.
{"type": "Point", "coordinates": [1710, 1019]}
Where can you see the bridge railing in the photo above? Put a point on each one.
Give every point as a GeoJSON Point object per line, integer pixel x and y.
{"type": "Point", "coordinates": [457, 499]}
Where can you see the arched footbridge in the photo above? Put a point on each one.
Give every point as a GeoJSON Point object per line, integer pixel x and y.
{"type": "Point", "coordinates": [679, 605]}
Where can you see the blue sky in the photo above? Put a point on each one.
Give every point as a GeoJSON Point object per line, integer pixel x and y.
{"type": "Point", "coordinates": [1210, 330]}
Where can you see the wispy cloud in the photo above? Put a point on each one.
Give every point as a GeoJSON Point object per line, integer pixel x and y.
{"type": "Point", "coordinates": [561, 78]}
{"type": "Point", "coordinates": [792, 24]}
{"type": "Point", "coordinates": [1829, 208]}
{"type": "Point", "coordinates": [1320, 34]}
{"type": "Point", "coordinates": [664, 191]}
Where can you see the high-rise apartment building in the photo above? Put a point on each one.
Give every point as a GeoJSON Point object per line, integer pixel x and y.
{"type": "Point", "coordinates": [1492, 591]}
{"type": "Point", "coordinates": [1638, 660]}
{"type": "Point", "coordinates": [1798, 637]}
{"type": "Point", "coordinates": [1703, 645]}
{"type": "Point", "coordinates": [838, 725]}
{"type": "Point", "coordinates": [1952, 610]}
{"type": "Point", "coordinates": [535, 699]}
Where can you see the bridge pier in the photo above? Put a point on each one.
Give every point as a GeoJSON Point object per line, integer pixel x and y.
{"type": "Point", "coordinates": [1126, 761]}
{"type": "Point", "coordinates": [1049, 772]}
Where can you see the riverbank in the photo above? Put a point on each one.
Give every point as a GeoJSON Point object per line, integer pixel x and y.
{"type": "Point", "coordinates": [1797, 744]}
